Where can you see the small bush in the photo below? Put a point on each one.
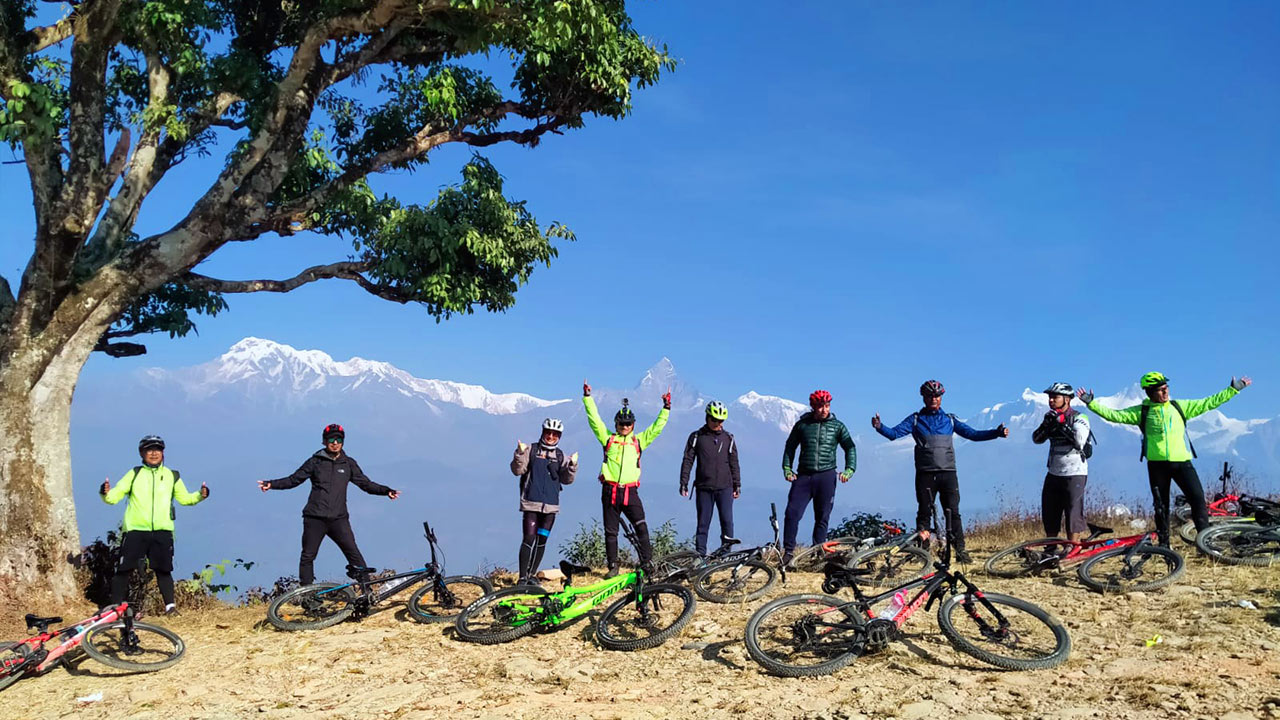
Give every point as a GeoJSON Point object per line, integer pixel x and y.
{"type": "Point", "coordinates": [586, 546]}
{"type": "Point", "coordinates": [862, 525]}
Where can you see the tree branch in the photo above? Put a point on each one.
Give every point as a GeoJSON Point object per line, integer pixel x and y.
{"type": "Point", "coordinates": [348, 270]}
{"type": "Point", "coordinates": [119, 350]}
{"type": "Point", "coordinates": [51, 35]}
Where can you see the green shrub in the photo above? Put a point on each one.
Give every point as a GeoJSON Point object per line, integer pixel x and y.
{"type": "Point", "coordinates": [586, 546]}
{"type": "Point", "coordinates": [862, 525]}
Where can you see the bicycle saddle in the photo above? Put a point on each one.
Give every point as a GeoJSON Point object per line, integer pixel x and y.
{"type": "Point", "coordinates": [1096, 530]}
{"type": "Point", "coordinates": [726, 541]}
{"type": "Point", "coordinates": [838, 568]}
{"type": "Point", "coordinates": [569, 569]}
{"type": "Point", "coordinates": [41, 623]}
{"type": "Point", "coordinates": [356, 573]}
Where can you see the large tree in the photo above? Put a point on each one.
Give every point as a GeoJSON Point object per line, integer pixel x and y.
{"type": "Point", "coordinates": [306, 99]}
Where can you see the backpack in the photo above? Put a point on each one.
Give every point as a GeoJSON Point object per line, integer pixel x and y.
{"type": "Point", "coordinates": [173, 513]}
{"type": "Point", "coordinates": [1142, 428]}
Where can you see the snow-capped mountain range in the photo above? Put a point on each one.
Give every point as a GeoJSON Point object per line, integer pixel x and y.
{"type": "Point", "coordinates": [256, 412]}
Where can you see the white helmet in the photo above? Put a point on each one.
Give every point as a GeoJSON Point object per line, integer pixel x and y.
{"type": "Point", "coordinates": [553, 425]}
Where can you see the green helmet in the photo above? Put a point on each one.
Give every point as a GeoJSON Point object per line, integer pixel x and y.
{"type": "Point", "coordinates": [717, 410]}
{"type": "Point", "coordinates": [1153, 380]}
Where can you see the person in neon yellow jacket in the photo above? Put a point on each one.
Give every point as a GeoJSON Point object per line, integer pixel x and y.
{"type": "Point", "coordinates": [1163, 424]}
{"type": "Point", "coordinates": [620, 472]}
{"type": "Point", "coordinates": [152, 489]}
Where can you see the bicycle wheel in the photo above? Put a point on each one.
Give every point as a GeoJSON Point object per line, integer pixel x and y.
{"type": "Point", "coordinates": [661, 612]}
{"type": "Point", "coordinates": [502, 616]}
{"type": "Point", "coordinates": [811, 559]}
{"type": "Point", "coordinates": [891, 565]}
{"type": "Point", "coordinates": [1027, 638]}
{"type": "Point", "coordinates": [1241, 544]}
{"type": "Point", "coordinates": [146, 649]}
{"type": "Point", "coordinates": [13, 658]}
{"type": "Point", "coordinates": [428, 604]}
{"type": "Point", "coordinates": [1033, 556]}
{"type": "Point", "coordinates": [805, 635]}
{"type": "Point", "coordinates": [1149, 567]}
{"type": "Point", "coordinates": [735, 582]}
{"type": "Point", "coordinates": [312, 607]}
{"type": "Point", "coordinates": [1187, 531]}
{"type": "Point", "coordinates": [680, 562]}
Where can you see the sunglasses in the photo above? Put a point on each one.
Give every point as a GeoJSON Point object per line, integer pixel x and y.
{"type": "Point", "coordinates": [333, 441]}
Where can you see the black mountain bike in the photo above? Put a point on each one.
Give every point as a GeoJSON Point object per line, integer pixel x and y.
{"type": "Point", "coordinates": [440, 599]}
{"type": "Point", "coordinates": [1244, 543]}
{"type": "Point", "coordinates": [745, 576]}
{"type": "Point", "coordinates": [685, 565]}
{"type": "Point", "coordinates": [806, 635]}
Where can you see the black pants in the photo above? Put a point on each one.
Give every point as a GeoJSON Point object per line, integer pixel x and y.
{"type": "Point", "coordinates": [818, 489]}
{"type": "Point", "coordinates": [1159, 474]}
{"type": "Point", "coordinates": [537, 528]}
{"type": "Point", "coordinates": [1063, 494]}
{"type": "Point", "coordinates": [707, 500]}
{"type": "Point", "coordinates": [314, 530]}
{"type": "Point", "coordinates": [154, 546]}
{"type": "Point", "coordinates": [945, 485]}
{"type": "Point", "coordinates": [618, 501]}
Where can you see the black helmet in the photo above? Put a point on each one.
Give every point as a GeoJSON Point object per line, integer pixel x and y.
{"type": "Point", "coordinates": [333, 430]}
{"type": "Point", "coordinates": [932, 388]}
{"type": "Point", "coordinates": [149, 442]}
{"type": "Point", "coordinates": [624, 416]}
{"type": "Point", "coordinates": [1060, 388]}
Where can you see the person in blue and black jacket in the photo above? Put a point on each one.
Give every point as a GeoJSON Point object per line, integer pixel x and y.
{"type": "Point", "coordinates": [932, 430]}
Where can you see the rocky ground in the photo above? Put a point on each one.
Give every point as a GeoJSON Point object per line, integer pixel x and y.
{"type": "Point", "coordinates": [1216, 660]}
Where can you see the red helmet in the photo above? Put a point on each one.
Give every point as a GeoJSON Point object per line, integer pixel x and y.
{"type": "Point", "coordinates": [818, 398]}
{"type": "Point", "coordinates": [932, 388]}
{"type": "Point", "coordinates": [333, 430]}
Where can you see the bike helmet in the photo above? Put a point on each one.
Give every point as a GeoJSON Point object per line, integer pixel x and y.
{"type": "Point", "coordinates": [333, 430]}
{"type": "Point", "coordinates": [818, 398]}
{"type": "Point", "coordinates": [1060, 388]}
{"type": "Point", "coordinates": [553, 425]}
{"type": "Point", "coordinates": [932, 388]}
{"type": "Point", "coordinates": [717, 410]}
{"type": "Point", "coordinates": [624, 416]}
{"type": "Point", "coordinates": [1153, 380]}
{"type": "Point", "coordinates": [150, 442]}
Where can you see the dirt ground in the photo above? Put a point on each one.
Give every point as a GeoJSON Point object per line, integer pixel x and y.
{"type": "Point", "coordinates": [1216, 660]}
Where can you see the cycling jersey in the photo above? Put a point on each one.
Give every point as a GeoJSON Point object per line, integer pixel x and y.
{"type": "Point", "coordinates": [621, 464]}
{"type": "Point", "coordinates": [151, 492]}
{"type": "Point", "coordinates": [932, 431]}
{"type": "Point", "coordinates": [1166, 432]}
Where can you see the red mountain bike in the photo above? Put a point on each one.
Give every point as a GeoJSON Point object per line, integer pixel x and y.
{"type": "Point", "coordinates": [111, 637]}
{"type": "Point", "coordinates": [1123, 564]}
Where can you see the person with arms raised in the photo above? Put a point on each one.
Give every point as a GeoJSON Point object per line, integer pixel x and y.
{"type": "Point", "coordinates": [1163, 424]}
{"type": "Point", "coordinates": [542, 468]}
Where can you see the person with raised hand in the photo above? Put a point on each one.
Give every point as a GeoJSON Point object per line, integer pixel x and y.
{"type": "Point", "coordinates": [330, 471]}
{"type": "Point", "coordinates": [1067, 432]}
{"type": "Point", "coordinates": [543, 469]}
{"type": "Point", "coordinates": [152, 489]}
{"type": "Point", "coordinates": [718, 481]}
{"type": "Point", "coordinates": [935, 458]}
{"type": "Point", "coordinates": [620, 472]}
{"type": "Point", "coordinates": [817, 434]}
{"type": "Point", "coordinates": [1165, 444]}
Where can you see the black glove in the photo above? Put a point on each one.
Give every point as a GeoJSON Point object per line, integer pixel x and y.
{"type": "Point", "coordinates": [102, 489]}
{"type": "Point", "coordinates": [1050, 418]}
{"type": "Point", "coordinates": [1086, 396]}
{"type": "Point", "coordinates": [1238, 384]}
{"type": "Point", "coordinates": [666, 401]}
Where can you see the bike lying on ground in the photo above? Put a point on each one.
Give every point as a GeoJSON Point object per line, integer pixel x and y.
{"type": "Point", "coordinates": [807, 635]}
{"type": "Point", "coordinates": [1123, 564]}
{"type": "Point", "coordinates": [320, 605]}
{"type": "Point", "coordinates": [892, 557]}
{"type": "Point", "coordinates": [111, 637]}
{"type": "Point", "coordinates": [747, 576]}
{"type": "Point", "coordinates": [1256, 543]}
{"type": "Point", "coordinates": [684, 565]}
{"type": "Point", "coordinates": [646, 616]}
{"type": "Point", "coordinates": [1243, 509]}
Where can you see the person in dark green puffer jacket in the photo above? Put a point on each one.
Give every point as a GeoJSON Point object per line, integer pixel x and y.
{"type": "Point", "coordinates": [817, 433]}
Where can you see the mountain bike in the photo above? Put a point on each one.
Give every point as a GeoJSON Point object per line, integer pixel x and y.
{"type": "Point", "coordinates": [111, 636]}
{"type": "Point", "coordinates": [892, 556]}
{"type": "Point", "coordinates": [747, 576]}
{"type": "Point", "coordinates": [646, 616]}
{"type": "Point", "coordinates": [810, 634]}
{"type": "Point", "coordinates": [1243, 509]}
{"type": "Point", "coordinates": [1224, 504]}
{"type": "Point", "coordinates": [1122, 564]}
{"type": "Point", "coordinates": [683, 565]}
{"type": "Point", "coordinates": [320, 605]}
{"type": "Point", "coordinates": [1256, 543]}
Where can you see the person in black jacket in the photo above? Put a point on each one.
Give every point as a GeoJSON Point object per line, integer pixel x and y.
{"type": "Point", "coordinates": [329, 470]}
{"type": "Point", "coordinates": [718, 482]}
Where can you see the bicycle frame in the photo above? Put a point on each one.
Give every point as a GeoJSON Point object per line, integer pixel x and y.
{"type": "Point", "coordinates": [561, 607]}
{"type": "Point", "coordinates": [74, 635]}
{"type": "Point", "coordinates": [432, 572]}
{"type": "Point", "coordinates": [1085, 549]}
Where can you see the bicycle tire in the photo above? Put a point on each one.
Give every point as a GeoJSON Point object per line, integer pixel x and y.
{"type": "Point", "coordinates": [432, 611]}
{"type": "Point", "coordinates": [1062, 639]}
{"type": "Point", "coordinates": [21, 652]}
{"type": "Point", "coordinates": [1015, 561]}
{"type": "Point", "coordinates": [651, 600]}
{"type": "Point", "coordinates": [103, 647]}
{"type": "Point", "coordinates": [470, 629]}
{"type": "Point", "coordinates": [892, 565]}
{"type": "Point", "coordinates": [812, 558]}
{"type": "Point", "coordinates": [1215, 542]}
{"type": "Point", "coordinates": [1187, 531]}
{"type": "Point", "coordinates": [810, 606]}
{"type": "Point", "coordinates": [734, 581]}
{"type": "Point", "coordinates": [328, 608]}
{"type": "Point", "coordinates": [1095, 577]}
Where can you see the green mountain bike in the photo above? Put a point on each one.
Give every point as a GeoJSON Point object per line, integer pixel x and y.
{"type": "Point", "coordinates": [646, 616]}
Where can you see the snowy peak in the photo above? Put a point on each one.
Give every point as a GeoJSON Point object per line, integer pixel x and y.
{"type": "Point", "coordinates": [658, 377]}
{"type": "Point", "coordinates": [772, 409]}
{"type": "Point", "coordinates": [259, 362]}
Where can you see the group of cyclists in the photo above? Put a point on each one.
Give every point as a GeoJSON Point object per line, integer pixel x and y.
{"type": "Point", "coordinates": [711, 459]}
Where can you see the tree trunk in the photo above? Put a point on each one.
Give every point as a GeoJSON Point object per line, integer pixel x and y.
{"type": "Point", "coordinates": [39, 539]}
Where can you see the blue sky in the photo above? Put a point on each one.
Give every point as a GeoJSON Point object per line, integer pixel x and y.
{"type": "Point", "coordinates": [857, 196]}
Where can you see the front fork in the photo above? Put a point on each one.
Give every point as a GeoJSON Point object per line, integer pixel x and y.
{"type": "Point", "coordinates": [999, 629]}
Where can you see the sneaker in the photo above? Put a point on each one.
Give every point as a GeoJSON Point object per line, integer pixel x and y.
{"type": "Point", "coordinates": [612, 572]}
{"type": "Point", "coordinates": [171, 611]}
{"type": "Point", "coordinates": [788, 561]}
{"type": "Point", "coordinates": [963, 557]}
